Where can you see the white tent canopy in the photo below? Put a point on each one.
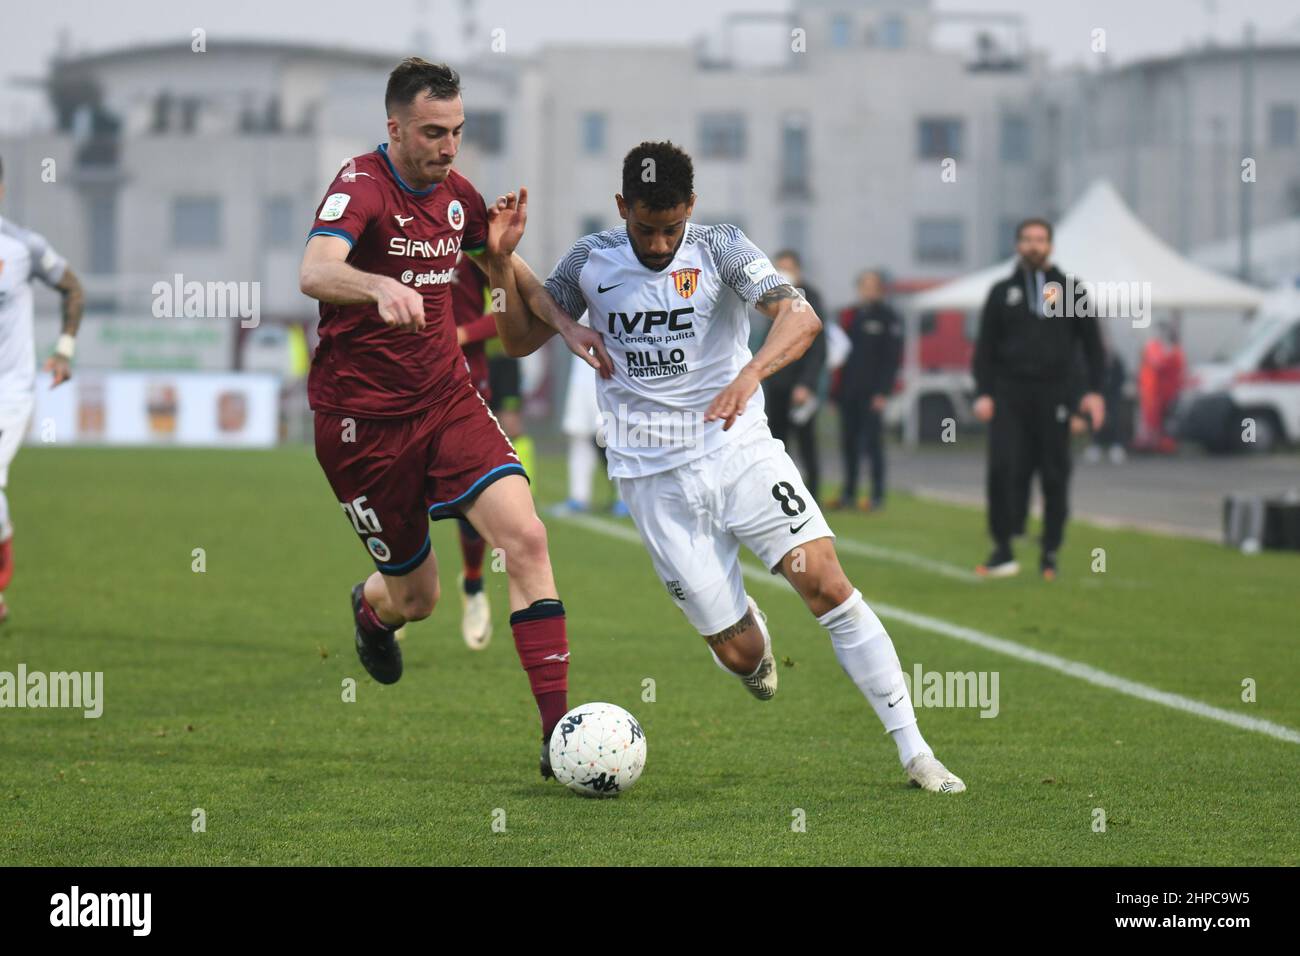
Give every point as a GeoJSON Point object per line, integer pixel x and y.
{"type": "Point", "coordinates": [1274, 252]}
{"type": "Point", "coordinates": [1101, 240]}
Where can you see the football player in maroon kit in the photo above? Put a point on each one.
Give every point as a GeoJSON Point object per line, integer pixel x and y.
{"type": "Point", "coordinates": [401, 433]}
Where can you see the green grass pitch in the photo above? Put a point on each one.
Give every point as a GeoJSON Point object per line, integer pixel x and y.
{"type": "Point", "coordinates": [223, 691]}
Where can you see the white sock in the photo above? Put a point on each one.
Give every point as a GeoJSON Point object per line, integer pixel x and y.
{"type": "Point", "coordinates": [867, 655]}
{"type": "Point", "coordinates": [6, 529]}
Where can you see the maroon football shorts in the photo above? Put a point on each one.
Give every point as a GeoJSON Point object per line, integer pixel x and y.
{"type": "Point", "coordinates": [393, 475]}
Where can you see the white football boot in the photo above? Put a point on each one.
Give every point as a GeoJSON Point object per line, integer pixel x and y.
{"type": "Point", "coordinates": [927, 773]}
{"type": "Point", "coordinates": [762, 683]}
{"type": "Point", "coordinates": [475, 617]}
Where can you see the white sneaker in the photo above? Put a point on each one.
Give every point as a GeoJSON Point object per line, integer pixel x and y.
{"type": "Point", "coordinates": [475, 617]}
{"type": "Point", "coordinates": [928, 774]}
{"type": "Point", "coordinates": [762, 683]}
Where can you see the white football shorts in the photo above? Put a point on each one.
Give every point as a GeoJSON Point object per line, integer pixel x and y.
{"type": "Point", "coordinates": [15, 414]}
{"type": "Point", "coordinates": [694, 518]}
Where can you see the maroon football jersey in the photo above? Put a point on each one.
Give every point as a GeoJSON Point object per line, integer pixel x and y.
{"type": "Point", "coordinates": [362, 367]}
{"type": "Point", "coordinates": [470, 307]}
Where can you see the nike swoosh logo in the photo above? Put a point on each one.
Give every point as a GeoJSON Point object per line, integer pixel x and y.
{"type": "Point", "coordinates": [557, 657]}
{"type": "Point", "coordinates": [891, 703]}
{"type": "Point", "coordinates": [794, 529]}
{"type": "Point", "coordinates": [606, 288]}
{"type": "Point", "coordinates": [403, 221]}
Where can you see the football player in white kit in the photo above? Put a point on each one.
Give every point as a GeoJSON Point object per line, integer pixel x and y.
{"type": "Point", "coordinates": [25, 256]}
{"type": "Point", "coordinates": [687, 440]}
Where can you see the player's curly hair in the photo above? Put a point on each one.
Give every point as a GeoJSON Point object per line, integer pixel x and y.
{"type": "Point", "coordinates": [660, 175]}
{"type": "Point", "coordinates": [414, 76]}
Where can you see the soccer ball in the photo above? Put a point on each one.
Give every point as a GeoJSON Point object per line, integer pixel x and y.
{"type": "Point", "coordinates": [598, 750]}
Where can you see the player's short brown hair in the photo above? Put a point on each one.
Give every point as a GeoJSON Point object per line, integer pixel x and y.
{"type": "Point", "coordinates": [415, 76]}
{"type": "Point", "coordinates": [1033, 221]}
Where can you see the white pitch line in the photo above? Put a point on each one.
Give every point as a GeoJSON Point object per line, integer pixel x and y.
{"type": "Point", "coordinates": [1000, 645]}
{"type": "Point", "coordinates": [881, 553]}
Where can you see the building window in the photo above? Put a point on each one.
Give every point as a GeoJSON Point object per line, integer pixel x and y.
{"type": "Point", "coordinates": [277, 222]}
{"type": "Point", "coordinates": [893, 33]}
{"type": "Point", "coordinates": [939, 138]}
{"type": "Point", "coordinates": [1005, 241]}
{"type": "Point", "coordinates": [190, 114]}
{"type": "Point", "coordinates": [486, 130]}
{"type": "Point", "coordinates": [722, 135]}
{"type": "Point", "coordinates": [593, 133]}
{"type": "Point", "coordinates": [103, 233]}
{"type": "Point", "coordinates": [794, 234]}
{"type": "Point", "coordinates": [794, 154]}
{"type": "Point", "coordinates": [1281, 125]}
{"type": "Point", "coordinates": [196, 222]}
{"type": "Point", "coordinates": [841, 31]}
{"type": "Point", "coordinates": [939, 241]}
{"type": "Point", "coordinates": [1015, 139]}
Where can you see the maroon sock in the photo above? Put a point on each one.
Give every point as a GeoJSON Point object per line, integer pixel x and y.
{"type": "Point", "coordinates": [370, 619]}
{"type": "Point", "coordinates": [544, 652]}
{"type": "Point", "coordinates": [472, 547]}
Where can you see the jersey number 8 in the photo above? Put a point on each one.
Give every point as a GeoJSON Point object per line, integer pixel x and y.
{"type": "Point", "coordinates": [791, 503]}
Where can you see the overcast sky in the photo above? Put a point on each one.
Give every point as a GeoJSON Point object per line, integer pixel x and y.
{"type": "Point", "coordinates": [1135, 28]}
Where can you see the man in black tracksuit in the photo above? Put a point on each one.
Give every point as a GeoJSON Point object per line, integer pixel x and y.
{"type": "Point", "coordinates": [875, 333]}
{"type": "Point", "coordinates": [790, 394]}
{"type": "Point", "coordinates": [1028, 338]}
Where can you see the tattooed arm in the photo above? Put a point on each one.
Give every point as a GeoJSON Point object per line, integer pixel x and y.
{"type": "Point", "coordinates": [794, 327]}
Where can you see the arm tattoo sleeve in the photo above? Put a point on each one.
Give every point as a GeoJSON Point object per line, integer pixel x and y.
{"type": "Point", "coordinates": [773, 296]}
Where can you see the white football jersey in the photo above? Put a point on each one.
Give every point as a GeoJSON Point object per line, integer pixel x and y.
{"type": "Point", "coordinates": [678, 337]}
{"type": "Point", "coordinates": [24, 256]}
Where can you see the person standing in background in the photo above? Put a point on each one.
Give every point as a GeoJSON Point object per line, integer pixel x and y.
{"type": "Point", "coordinates": [791, 393]}
{"type": "Point", "coordinates": [584, 432]}
{"type": "Point", "coordinates": [1160, 379]}
{"type": "Point", "coordinates": [875, 333]}
{"type": "Point", "coordinates": [1027, 342]}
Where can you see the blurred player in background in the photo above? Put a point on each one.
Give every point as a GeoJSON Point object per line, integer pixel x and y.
{"type": "Point", "coordinates": [671, 299]}
{"type": "Point", "coordinates": [505, 385]}
{"type": "Point", "coordinates": [402, 434]}
{"type": "Point", "coordinates": [584, 434]}
{"type": "Point", "coordinates": [25, 256]}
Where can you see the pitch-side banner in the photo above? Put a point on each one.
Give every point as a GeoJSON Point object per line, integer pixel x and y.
{"type": "Point", "coordinates": [236, 410]}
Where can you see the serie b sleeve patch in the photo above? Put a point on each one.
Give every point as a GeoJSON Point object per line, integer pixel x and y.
{"type": "Point", "coordinates": [333, 207]}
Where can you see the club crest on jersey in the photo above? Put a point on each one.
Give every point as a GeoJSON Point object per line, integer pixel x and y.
{"type": "Point", "coordinates": [456, 214]}
{"type": "Point", "coordinates": [378, 549]}
{"type": "Point", "coordinates": [686, 280]}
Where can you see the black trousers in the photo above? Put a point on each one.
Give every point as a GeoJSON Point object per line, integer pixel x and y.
{"type": "Point", "coordinates": [862, 432]}
{"type": "Point", "coordinates": [777, 404]}
{"type": "Point", "coordinates": [1030, 433]}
